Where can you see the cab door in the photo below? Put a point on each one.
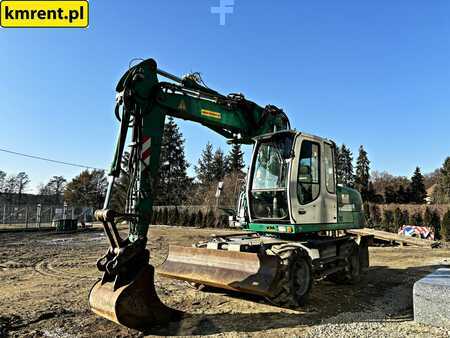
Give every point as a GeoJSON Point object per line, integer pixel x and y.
{"type": "Point", "coordinates": [329, 183]}
{"type": "Point", "coordinates": [312, 187]}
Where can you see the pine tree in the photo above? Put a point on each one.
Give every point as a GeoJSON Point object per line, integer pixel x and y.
{"type": "Point", "coordinates": [372, 196]}
{"type": "Point", "coordinates": [398, 218]}
{"type": "Point", "coordinates": [192, 219]}
{"type": "Point", "coordinates": [428, 217]}
{"type": "Point", "coordinates": [445, 227]}
{"type": "Point", "coordinates": [402, 195]}
{"type": "Point", "coordinates": [418, 192]}
{"type": "Point", "coordinates": [22, 181]}
{"type": "Point", "coordinates": [174, 216]}
{"type": "Point", "coordinates": [210, 219]}
{"type": "Point", "coordinates": [408, 194]}
{"type": "Point", "coordinates": [174, 184]}
{"type": "Point", "coordinates": [375, 215]}
{"type": "Point", "coordinates": [344, 166]}
{"type": "Point", "coordinates": [160, 218]}
{"type": "Point", "coordinates": [184, 218]}
{"type": "Point", "coordinates": [367, 216]}
{"type": "Point", "coordinates": [218, 165]}
{"type": "Point", "coordinates": [441, 193]}
{"type": "Point", "coordinates": [199, 219]}
{"type": "Point", "coordinates": [52, 192]}
{"type": "Point", "coordinates": [435, 223]}
{"type": "Point", "coordinates": [235, 160]}
{"type": "Point", "coordinates": [388, 219]}
{"type": "Point", "coordinates": [204, 169]}
{"type": "Point", "coordinates": [390, 195]}
{"type": "Point", "coordinates": [165, 217]}
{"type": "Point", "coordinates": [362, 173]}
{"type": "Point", "coordinates": [405, 217]}
{"type": "Point", "coordinates": [87, 189]}
{"type": "Point", "coordinates": [416, 219]}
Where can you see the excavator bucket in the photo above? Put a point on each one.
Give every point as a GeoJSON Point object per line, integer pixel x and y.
{"type": "Point", "coordinates": [135, 304]}
{"type": "Point", "coordinates": [233, 270]}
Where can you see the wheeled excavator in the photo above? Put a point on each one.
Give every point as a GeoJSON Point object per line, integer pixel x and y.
{"type": "Point", "coordinates": [293, 215]}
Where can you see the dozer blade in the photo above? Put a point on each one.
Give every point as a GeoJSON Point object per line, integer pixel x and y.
{"type": "Point", "coordinates": [135, 304]}
{"type": "Point", "coordinates": [238, 271]}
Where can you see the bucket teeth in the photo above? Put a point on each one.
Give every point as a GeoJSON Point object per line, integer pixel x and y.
{"type": "Point", "coordinates": [134, 305]}
{"type": "Point", "coordinates": [233, 270]}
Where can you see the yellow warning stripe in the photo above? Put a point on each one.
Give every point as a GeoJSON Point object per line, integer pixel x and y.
{"type": "Point", "coordinates": [212, 114]}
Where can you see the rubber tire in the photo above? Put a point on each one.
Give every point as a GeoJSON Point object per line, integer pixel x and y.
{"type": "Point", "coordinates": [352, 272]}
{"type": "Point", "coordinates": [294, 280]}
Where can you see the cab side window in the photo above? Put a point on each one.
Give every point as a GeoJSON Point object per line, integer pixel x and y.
{"type": "Point", "coordinates": [308, 180]}
{"type": "Point", "coordinates": [329, 168]}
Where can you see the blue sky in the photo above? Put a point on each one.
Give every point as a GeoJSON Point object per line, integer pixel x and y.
{"type": "Point", "coordinates": [373, 73]}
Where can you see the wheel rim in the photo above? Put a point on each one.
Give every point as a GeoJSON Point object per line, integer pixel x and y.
{"type": "Point", "coordinates": [302, 277]}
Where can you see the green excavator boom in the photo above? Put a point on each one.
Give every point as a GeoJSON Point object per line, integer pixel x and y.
{"type": "Point", "coordinates": [126, 293]}
{"type": "Point", "coordinates": [145, 101]}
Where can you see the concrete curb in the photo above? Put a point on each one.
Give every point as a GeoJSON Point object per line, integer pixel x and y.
{"type": "Point", "coordinates": [431, 298]}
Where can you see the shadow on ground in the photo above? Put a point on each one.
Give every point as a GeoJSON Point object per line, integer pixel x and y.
{"type": "Point", "coordinates": [206, 324]}
{"type": "Point", "coordinates": [384, 295]}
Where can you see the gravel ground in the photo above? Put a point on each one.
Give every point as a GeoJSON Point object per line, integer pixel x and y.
{"type": "Point", "coordinates": [45, 279]}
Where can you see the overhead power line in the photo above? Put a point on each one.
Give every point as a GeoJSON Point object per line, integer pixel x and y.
{"type": "Point", "coordinates": [49, 159]}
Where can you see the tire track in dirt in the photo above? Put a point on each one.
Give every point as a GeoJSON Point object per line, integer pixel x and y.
{"type": "Point", "coordinates": [59, 267]}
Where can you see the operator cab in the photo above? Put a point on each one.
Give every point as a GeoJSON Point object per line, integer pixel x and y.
{"type": "Point", "coordinates": [292, 179]}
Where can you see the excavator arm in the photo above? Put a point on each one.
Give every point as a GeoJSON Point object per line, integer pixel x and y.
{"type": "Point", "coordinates": [143, 102]}
{"type": "Point", "coordinates": [126, 293]}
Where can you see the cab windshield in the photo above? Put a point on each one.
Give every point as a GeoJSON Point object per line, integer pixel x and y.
{"type": "Point", "coordinates": [270, 177]}
{"type": "Point", "coordinates": [271, 165]}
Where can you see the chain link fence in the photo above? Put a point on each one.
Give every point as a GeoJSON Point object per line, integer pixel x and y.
{"type": "Point", "coordinates": [41, 216]}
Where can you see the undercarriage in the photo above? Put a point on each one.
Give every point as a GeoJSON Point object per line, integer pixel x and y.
{"type": "Point", "coordinates": [279, 269]}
